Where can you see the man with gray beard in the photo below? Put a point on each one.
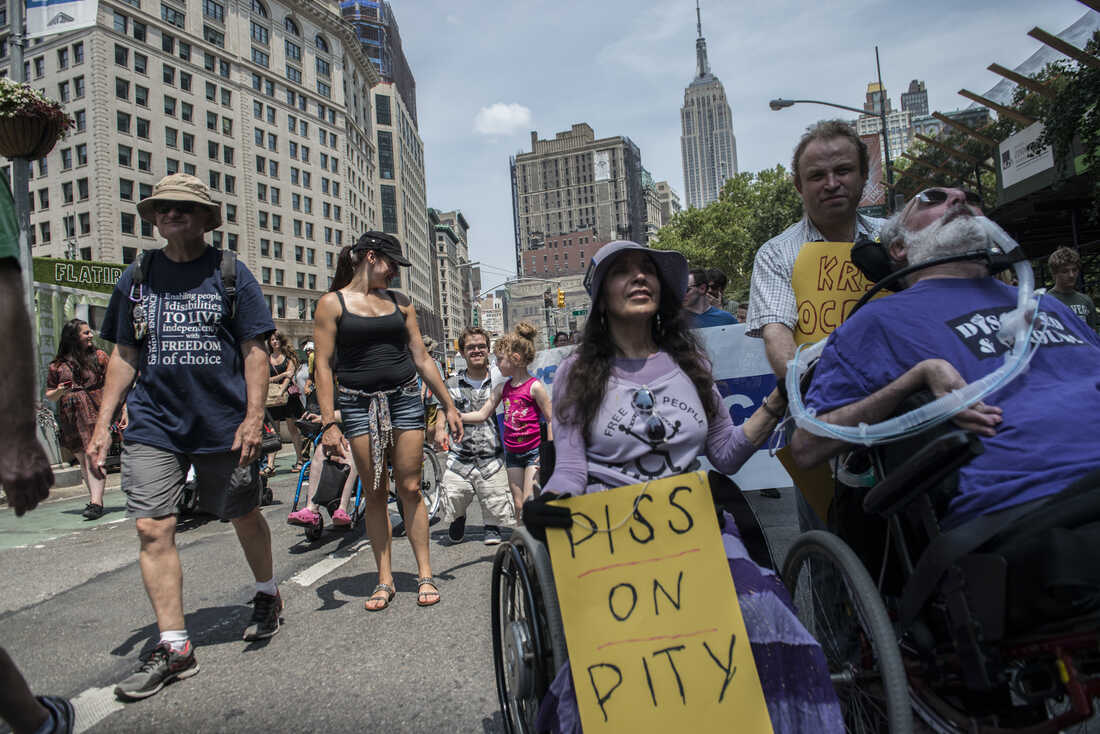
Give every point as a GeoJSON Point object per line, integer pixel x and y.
{"type": "Point", "coordinates": [939, 334]}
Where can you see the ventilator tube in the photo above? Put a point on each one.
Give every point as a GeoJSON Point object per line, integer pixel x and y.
{"type": "Point", "coordinates": [1015, 331]}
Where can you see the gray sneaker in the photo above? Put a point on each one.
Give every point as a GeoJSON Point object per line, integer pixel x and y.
{"type": "Point", "coordinates": [163, 666]}
{"type": "Point", "coordinates": [492, 535]}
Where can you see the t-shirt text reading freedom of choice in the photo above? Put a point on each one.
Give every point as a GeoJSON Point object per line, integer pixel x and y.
{"type": "Point", "coordinates": [190, 393]}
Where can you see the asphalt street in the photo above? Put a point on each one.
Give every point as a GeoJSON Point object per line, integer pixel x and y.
{"type": "Point", "coordinates": [74, 616]}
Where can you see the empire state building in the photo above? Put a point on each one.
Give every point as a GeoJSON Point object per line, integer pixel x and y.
{"type": "Point", "coordinates": [707, 143]}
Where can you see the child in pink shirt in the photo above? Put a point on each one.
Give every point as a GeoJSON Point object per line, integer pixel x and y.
{"type": "Point", "coordinates": [526, 401]}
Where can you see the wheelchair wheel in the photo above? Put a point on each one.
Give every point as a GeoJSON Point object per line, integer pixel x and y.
{"type": "Point", "coordinates": [528, 640]}
{"type": "Point", "coordinates": [841, 607]}
{"type": "Point", "coordinates": [431, 481]}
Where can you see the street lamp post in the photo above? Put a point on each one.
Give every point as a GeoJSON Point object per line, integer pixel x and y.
{"type": "Point", "coordinates": [779, 104]}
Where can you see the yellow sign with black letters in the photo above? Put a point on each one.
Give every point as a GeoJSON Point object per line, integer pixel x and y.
{"type": "Point", "coordinates": [655, 634]}
{"type": "Point", "coordinates": [826, 285]}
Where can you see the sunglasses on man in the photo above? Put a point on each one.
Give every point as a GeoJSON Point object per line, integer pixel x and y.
{"type": "Point", "coordinates": [930, 197]}
{"type": "Point", "coordinates": [183, 207]}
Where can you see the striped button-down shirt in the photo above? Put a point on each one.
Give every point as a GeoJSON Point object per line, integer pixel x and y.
{"type": "Point", "coordinates": [771, 298]}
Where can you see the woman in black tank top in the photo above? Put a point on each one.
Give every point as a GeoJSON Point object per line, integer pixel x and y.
{"type": "Point", "coordinates": [368, 352]}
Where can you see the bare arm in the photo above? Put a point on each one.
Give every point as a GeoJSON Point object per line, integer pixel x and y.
{"type": "Point", "coordinates": [24, 469]}
{"type": "Point", "coordinates": [542, 399]}
{"type": "Point", "coordinates": [483, 413]}
{"type": "Point", "coordinates": [425, 365]}
{"type": "Point", "coordinates": [324, 350]}
{"type": "Point", "coordinates": [779, 346]}
{"type": "Point", "coordinates": [121, 371]}
{"type": "Point", "coordinates": [937, 375]}
{"type": "Point", "coordinates": [249, 434]}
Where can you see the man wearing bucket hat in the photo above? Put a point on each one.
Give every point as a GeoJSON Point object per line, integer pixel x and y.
{"type": "Point", "coordinates": [188, 322]}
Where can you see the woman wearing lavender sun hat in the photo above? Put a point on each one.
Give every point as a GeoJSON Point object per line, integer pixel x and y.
{"type": "Point", "coordinates": [636, 351]}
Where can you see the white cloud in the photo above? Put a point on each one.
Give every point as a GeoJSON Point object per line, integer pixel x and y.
{"type": "Point", "coordinates": [502, 119]}
{"type": "Point", "coordinates": [453, 20]}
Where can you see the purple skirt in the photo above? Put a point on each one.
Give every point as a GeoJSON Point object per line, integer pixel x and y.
{"type": "Point", "coordinates": [791, 665]}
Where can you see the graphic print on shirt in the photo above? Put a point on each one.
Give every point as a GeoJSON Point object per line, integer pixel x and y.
{"type": "Point", "coordinates": [978, 331]}
{"type": "Point", "coordinates": [645, 424]}
{"type": "Point", "coordinates": [185, 328]}
{"type": "Point", "coordinates": [516, 414]}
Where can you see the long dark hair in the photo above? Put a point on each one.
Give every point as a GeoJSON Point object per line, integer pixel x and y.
{"type": "Point", "coordinates": [588, 377]}
{"type": "Point", "coordinates": [346, 265]}
{"type": "Point", "coordinates": [70, 351]}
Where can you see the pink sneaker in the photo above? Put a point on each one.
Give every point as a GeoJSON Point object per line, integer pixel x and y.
{"type": "Point", "coordinates": [304, 517]}
{"type": "Point", "coordinates": [341, 519]}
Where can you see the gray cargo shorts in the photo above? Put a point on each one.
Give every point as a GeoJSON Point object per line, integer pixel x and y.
{"type": "Point", "coordinates": [153, 480]}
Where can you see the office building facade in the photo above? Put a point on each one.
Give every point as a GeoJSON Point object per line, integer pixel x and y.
{"type": "Point", "coordinates": [376, 27]}
{"type": "Point", "coordinates": [574, 186]}
{"type": "Point", "coordinates": [915, 100]}
{"type": "Point", "coordinates": [265, 101]}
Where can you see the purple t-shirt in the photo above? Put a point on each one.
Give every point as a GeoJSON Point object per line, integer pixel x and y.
{"type": "Point", "coordinates": [651, 424]}
{"type": "Point", "coordinates": [1051, 412]}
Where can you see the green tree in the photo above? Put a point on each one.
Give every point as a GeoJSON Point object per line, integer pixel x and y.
{"type": "Point", "coordinates": [751, 209]}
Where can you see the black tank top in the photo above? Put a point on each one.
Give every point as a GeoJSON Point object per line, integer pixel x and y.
{"type": "Point", "coordinates": [372, 352]}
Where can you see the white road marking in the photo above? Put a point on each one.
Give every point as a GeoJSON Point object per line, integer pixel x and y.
{"type": "Point", "coordinates": [309, 576]}
{"type": "Point", "coordinates": [93, 706]}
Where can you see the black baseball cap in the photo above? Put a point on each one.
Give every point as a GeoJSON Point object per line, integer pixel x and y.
{"type": "Point", "coordinates": [383, 243]}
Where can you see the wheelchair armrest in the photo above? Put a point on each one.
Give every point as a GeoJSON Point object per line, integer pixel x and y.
{"type": "Point", "coordinates": [921, 472]}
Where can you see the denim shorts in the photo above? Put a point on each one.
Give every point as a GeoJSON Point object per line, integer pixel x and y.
{"type": "Point", "coordinates": [523, 460]}
{"type": "Point", "coordinates": [406, 410]}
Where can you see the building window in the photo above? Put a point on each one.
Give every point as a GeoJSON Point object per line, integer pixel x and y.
{"type": "Point", "coordinates": [324, 89]}
{"type": "Point", "coordinates": [382, 110]}
{"type": "Point", "coordinates": [122, 123]}
{"type": "Point", "coordinates": [293, 74]}
{"type": "Point", "coordinates": [122, 23]}
{"type": "Point", "coordinates": [213, 10]}
{"type": "Point", "coordinates": [260, 34]}
{"type": "Point", "coordinates": [122, 55]}
{"type": "Point", "coordinates": [293, 50]}
{"type": "Point", "coordinates": [214, 36]}
{"type": "Point", "coordinates": [142, 128]}
{"type": "Point", "coordinates": [321, 43]}
{"type": "Point", "coordinates": [78, 53]}
{"type": "Point", "coordinates": [171, 15]}
{"type": "Point", "coordinates": [122, 89]}
{"type": "Point", "coordinates": [127, 223]}
{"type": "Point", "coordinates": [323, 68]}
{"type": "Point", "coordinates": [141, 63]}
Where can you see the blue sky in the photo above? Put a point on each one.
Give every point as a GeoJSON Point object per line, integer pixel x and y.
{"type": "Point", "coordinates": [490, 72]}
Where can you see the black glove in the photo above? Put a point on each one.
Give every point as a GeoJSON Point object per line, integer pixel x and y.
{"type": "Point", "coordinates": [537, 515]}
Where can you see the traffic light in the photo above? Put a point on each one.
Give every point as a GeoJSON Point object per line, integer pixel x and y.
{"type": "Point", "coordinates": [477, 315]}
{"type": "Point", "coordinates": [561, 298]}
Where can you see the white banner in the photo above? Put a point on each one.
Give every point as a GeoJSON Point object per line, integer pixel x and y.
{"type": "Point", "coordinates": [47, 17]}
{"type": "Point", "coordinates": [744, 378]}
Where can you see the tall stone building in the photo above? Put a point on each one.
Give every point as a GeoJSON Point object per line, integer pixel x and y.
{"type": "Point", "coordinates": [916, 99]}
{"type": "Point", "coordinates": [653, 219]}
{"type": "Point", "coordinates": [575, 187]}
{"type": "Point", "coordinates": [376, 26]}
{"type": "Point", "coordinates": [454, 288]}
{"type": "Point", "coordinates": [266, 101]}
{"type": "Point", "coordinates": [670, 201]}
{"type": "Point", "coordinates": [707, 142]}
{"type": "Point", "coordinates": [402, 200]}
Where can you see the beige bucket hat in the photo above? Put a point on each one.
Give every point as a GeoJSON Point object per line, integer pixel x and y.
{"type": "Point", "coordinates": [181, 187]}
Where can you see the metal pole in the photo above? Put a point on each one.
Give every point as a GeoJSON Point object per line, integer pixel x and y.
{"type": "Point", "coordinates": [885, 140]}
{"type": "Point", "coordinates": [20, 187]}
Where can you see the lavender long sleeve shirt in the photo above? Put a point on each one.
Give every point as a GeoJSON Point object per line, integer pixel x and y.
{"type": "Point", "coordinates": [627, 444]}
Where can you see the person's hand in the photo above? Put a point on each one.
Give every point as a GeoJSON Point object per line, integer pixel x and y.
{"type": "Point", "coordinates": [248, 439]}
{"type": "Point", "coordinates": [97, 449]}
{"type": "Point", "coordinates": [439, 437]}
{"type": "Point", "coordinates": [454, 422]}
{"type": "Point", "coordinates": [333, 442]}
{"type": "Point", "coordinates": [66, 387]}
{"type": "Point", "coordinates": [124, 419]}
{"type": "Point", "coordinates": [24, 471]}
{"type": "Point", "coordinates": [941, 378]}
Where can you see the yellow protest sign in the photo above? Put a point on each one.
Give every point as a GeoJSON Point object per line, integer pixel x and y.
{"type": "Point", "coordinates": [826, 284]}
{"type": "Point", "coordinates": [655, 634]}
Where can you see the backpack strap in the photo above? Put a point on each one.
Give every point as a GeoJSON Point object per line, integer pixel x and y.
{"type": "Point", "coordinates": [138, 278]}
{"type": "Point", "coordinates": [229, 280]}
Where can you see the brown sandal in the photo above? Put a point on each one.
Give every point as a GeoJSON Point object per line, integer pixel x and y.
{"type": "Point", "coordinates": [421, 583]}
{"type": "Point", "coordinates": [387, 589]}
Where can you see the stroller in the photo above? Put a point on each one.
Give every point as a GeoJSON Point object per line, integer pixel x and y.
{"type": "Point", "coordinates": [329, 488]}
